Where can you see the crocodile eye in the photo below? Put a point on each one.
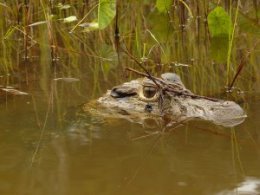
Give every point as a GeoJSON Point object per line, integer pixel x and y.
{"type": "Point", "coordinates": [149, 91]}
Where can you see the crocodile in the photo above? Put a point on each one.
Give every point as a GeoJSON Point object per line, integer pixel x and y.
{"type": "Point", "coordinates": [148, 98]}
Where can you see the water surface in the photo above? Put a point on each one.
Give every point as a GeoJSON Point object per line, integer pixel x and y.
{"type": "Point", "coordinates": [46, 149]}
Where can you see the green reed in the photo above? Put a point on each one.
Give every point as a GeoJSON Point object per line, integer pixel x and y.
{"type": "Point", "coordinates": [177, 41]}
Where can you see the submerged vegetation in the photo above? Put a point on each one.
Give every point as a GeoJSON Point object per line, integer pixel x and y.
{"type": "Point", "coordinates": [211, 44]}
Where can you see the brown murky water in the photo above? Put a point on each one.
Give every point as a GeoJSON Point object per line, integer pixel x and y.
{"type": "Point", "coordinates": [46, 149]}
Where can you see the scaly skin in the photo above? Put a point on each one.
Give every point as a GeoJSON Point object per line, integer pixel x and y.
{"type": "Point", "coordinates": [129, 101]}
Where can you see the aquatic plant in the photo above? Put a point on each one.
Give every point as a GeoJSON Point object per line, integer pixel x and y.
{"type": "Point", "coordinates": [202, 41]}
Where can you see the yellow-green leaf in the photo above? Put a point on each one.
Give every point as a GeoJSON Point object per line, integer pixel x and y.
{"type": "Point", "coordinates": [62, 7]}
{"type": "Point", "coordinates": [106, 12]}
{"type": "Point", "coordinates": [89, 26]}
{"type": "Point", "coordinates": [38, 23]}
{"type": "Point", "coordinates": [163, 5]}
{"type": "Point", "coordinates": [219, 22]}
{"type": "Point", "coordinates": [70, 19]}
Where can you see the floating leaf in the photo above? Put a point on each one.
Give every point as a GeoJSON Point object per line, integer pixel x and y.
{"type": "Point", "coordinates": [49, 17]}
{"type": "Point", "coordinates": [219, 22]}
{"type": "Point", "coordinates": [67, 79]}
{"type": "Point", "coordinates": [61, 6]}
{"type": "Point", "coordinates": [106, 12]}
{"type": "Point", "coordinates": [37, 23]}
{"type": "Point", "coordinates": [180, 64]}
{"type": "Point", "coordinates": [70, 19]}
{"type": "Point", "coordinates": [89, 26]}
{"type": "Point", "coordinates": [163, 5]}
{"type": "Point", "coordinates": [14, 91]}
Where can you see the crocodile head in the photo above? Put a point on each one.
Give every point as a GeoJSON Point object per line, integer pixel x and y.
{"type": "Point", "coordinates": [141, 99]}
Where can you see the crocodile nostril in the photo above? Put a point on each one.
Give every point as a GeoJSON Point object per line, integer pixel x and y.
{"type": "Point", "coordinates": [148, 108]}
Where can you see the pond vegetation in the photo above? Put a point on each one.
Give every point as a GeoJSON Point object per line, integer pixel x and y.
{"type": "Point", "coordinates": [204, 41]}
{"type": "Point", "coordinates": [56, 55]}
